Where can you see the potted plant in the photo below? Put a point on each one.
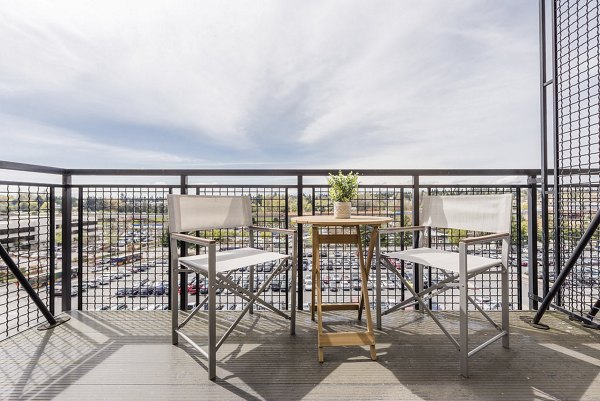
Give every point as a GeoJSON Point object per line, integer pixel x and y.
{"type": "Point", "coordinates": [342, 189]}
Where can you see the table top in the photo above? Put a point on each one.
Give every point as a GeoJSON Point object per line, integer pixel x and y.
{"type": "Point", "coordinates": [329, 220]}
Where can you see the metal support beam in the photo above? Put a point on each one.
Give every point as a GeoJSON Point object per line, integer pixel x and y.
{"type": "Point", "coordinates": [300, 243]}
{"type": "Point", "coordinates": [519, 256]}
{"type": "Point", "coordinates": [532, 242]}
{"type": "Point", "coordinates": [24, 283]}
{"type": "Point", "coordinates": [66, 229]}
{"type": "Point", "coordinates": [183, 294]}
{"type": "Point", "coordinates": [415, 222]}
{"type": "Point", "coordinates": [80, 249]}
{"type": "Point", "coordinates": [52, 250]}
{"type": "Point", "coordinates": [583, 242]}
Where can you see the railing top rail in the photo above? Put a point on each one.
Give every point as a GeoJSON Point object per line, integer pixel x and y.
{"type": "Point", "coordinates": [302, 172]}
{"type": "Point", "coordinates": [6, 165]}
{"type": "Point", "coordinates": [32, 168]}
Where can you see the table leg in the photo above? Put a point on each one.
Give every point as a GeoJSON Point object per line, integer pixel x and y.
{"type": "Point", "coordinates": [365, 293]}
{"type": "Point", "coordinates": [315, 266]}
{"type": "Point", "coordinates": [317, 290]}
{"type": "Point", "coordinates": [372, 243]}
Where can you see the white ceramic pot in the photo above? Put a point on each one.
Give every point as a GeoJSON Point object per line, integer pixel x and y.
{"type": "Point", "coordinates": [341, 210]}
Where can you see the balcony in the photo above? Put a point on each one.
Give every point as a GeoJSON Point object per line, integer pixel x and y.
{"type": "Point", "coordinates": [90, 249]}
{"type": "Point", "coordinates": [128, 355]}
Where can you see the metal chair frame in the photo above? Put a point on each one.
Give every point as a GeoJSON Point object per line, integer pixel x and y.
{"type": "Point", "coordinates": [223, 280]}
{"type": "Point", "coordinates": [458, 280]}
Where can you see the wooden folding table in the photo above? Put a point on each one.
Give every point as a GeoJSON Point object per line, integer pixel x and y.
{"type": "Point", "coordinates": [318, 238]}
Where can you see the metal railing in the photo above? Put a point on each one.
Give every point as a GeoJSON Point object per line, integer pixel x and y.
{"type": "Point", "coordinates": [106, 245]}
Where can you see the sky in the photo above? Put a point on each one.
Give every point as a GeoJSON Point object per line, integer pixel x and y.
{"type": "Point", "coordinates": [270, 84]}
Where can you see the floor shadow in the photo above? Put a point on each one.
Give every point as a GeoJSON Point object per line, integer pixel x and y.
{"type": "Point", "coordinates": [261, 360]}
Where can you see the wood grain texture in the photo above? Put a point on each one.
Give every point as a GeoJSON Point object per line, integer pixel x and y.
{"type": "Point", "coordinates": [127, 355]}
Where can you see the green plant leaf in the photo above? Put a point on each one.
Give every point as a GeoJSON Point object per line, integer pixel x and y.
{"type": "Point", "coordinates": [343, 188]}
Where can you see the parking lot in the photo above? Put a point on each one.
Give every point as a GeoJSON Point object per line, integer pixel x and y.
{"type": "Point", "coordinates": [144, 285]}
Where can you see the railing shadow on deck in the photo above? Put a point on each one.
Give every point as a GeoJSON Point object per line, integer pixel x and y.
{"type": "Point", "coordinates": [262, 361]}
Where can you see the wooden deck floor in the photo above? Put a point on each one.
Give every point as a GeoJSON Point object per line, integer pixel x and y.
{"type": "Point", "coordinates": [127, 355]}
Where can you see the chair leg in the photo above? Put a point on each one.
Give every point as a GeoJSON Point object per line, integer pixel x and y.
{"type": "Point", "coordinates": [463, 281]}
{"type": "Point", "coordinates": [251, 286]}
{"type": "Point", "coordinates": [505, 307]}
{"type": "Point", "coordinates": [293, 294]}
{"type": "Point", "coordinates": [212, 319]}
{"type": "Point", "coordinates": [315, 265]}
{"type": "Point", "coordinates": [174, 292]}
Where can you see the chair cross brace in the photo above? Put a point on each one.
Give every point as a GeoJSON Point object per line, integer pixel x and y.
{"type": "Point", "coordinates": [224, 281]}
{"type": "Point", "coordinates": [431, 291]}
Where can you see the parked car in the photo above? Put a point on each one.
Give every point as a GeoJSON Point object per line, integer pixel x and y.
{"type": "Point", "coordinates": [146, 290]}
{"type": "Point", "coordinates": [161, 288]}
{"type": "Point", "coordinates": [219, 290]}
{"type": "Point", "coordinates": [275, 285]}
{"type": "Point", "coordinates": [132, 291]}
{"type": "Point", "coordinates": [59, 291]}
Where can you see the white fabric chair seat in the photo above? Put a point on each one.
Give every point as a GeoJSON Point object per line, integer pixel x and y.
{"type": "Point", "coordinates": [444, 260]}
{"type": "Point", "coordinates": [231, 260]}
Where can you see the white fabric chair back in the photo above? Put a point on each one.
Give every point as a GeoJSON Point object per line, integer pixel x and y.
{"type": "Point", "coordinates": [483, 213]}
{"type": "Point", "coordinates": [195, 212]}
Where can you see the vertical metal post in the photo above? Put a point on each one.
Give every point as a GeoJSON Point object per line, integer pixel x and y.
{"type": "Point", "coordinates": [378, 279]}
{"type": "Point", "coordinates": [251, 272]}
{"type": "Point", "coordinates": [183, 294]}
{"type": "Point", "coordinates": [544, 140]}
{"type": "Point", "coordinates": [415, 209]}
{"type": "Point", "coordinates": [52, 250]}
{"type": "Point", "coordinates": [300, 245]}
{"type": "Point", "coordinates": [402, 288]}
{"type": "Point", "coordinates": [80, 249]}
{"type": "Point", "coordinates": [557, 167]}
{"type": "Point", "coordinates": [287, 248]}
{"type": "Point", "coordinates": [519, 253]}
{"type": "Point", "coordinates": [172, 303]}
{"type": "Point", "coordinates": [66, 229]}
{"type": "Point", "coordinates": [532, 241]}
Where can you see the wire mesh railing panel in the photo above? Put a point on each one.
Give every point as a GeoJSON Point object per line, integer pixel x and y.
{"type": "Point", "coordinates": [485, 288]}
{"type": "Point", "coordinates": [269, 209]}
{"type": "Point", "coordinates": [124, 246]}
{"type": "Point", "coordinates": [25, 231]}
{"type": "Point", "coordinates": [339, 263]}
{"type": "Point", "coordinates": [578, 147]}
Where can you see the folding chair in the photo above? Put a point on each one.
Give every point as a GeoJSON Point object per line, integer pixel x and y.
{"type": "Point", "coordinates": [479, 213]}
{"type": "Point", "coordinates": [192, 213]}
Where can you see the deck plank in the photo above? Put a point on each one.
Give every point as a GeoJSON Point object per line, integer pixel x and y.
{"type": "Point", "coordinates": [127, 355]}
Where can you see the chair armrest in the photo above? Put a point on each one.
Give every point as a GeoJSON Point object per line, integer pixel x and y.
{"type": "Point", "coordinates": [485, 238]}
{"type": "Point", "coordinates": [389, 230]}
{"type": "Point", "coordinates": [192, 239]}
{"type": "Point", "coordinates": [285, 231]}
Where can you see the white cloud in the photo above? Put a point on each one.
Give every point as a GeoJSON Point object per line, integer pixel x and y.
{"type": "Point", "coordinates": [48, 143]}
{"type": "Point", "coordinates": [312, 84]}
